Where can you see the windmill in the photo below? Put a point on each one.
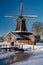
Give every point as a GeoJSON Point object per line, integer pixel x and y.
{"type": "Point", "coordinates": [21, 26]}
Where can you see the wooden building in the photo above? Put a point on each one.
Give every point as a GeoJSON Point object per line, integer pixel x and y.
{"type": "Point", "coordinates": [21, 37]}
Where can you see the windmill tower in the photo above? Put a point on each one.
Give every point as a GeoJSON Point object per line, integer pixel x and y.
{"type": "Point", "coordinates": [21, 26]}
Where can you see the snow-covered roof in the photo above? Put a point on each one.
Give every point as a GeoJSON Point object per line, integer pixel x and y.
{"type": "Point", "coordinates": [17, 35]}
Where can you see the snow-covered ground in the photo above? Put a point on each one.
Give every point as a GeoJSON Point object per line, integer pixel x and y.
{"type": "Point", "coordinates": [7, 54]}
{"type": "Point", "coordinates": [35, 59]}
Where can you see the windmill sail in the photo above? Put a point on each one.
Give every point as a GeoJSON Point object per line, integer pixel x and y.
{"type": "Point", "coordinates": [21, 26]}
{"type": "Point", "coordinates": [21, 9]}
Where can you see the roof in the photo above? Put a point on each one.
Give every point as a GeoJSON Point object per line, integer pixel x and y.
{"type": "Point", "coordinates": [17, 36]}
{"type": "Point", "coordinates": [20, 37]}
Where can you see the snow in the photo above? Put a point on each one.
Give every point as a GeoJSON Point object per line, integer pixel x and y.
{"type": "Point", "coordinates": [35, 59]}
{"type": "Point", "coordinates": [7, 55]}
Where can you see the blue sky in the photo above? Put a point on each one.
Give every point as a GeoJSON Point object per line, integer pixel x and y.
{"type": "Point", "coordinates": [12, 7]}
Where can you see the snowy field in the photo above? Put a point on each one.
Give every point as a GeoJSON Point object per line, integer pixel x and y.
{"type": "Point", "coordinates": [34, 57]}
{"type": "Point", "coordinates": [7, 54]}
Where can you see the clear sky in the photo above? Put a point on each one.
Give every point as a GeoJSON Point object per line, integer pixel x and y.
{"type": "Point", "coordinates": [12, 7]}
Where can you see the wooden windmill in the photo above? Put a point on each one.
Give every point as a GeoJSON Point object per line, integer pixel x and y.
{"type": "Point", "coordinates": [21, 26]}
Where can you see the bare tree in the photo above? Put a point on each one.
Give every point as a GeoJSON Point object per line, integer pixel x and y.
{"type": "Point", "coordinates": [37, 27]}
